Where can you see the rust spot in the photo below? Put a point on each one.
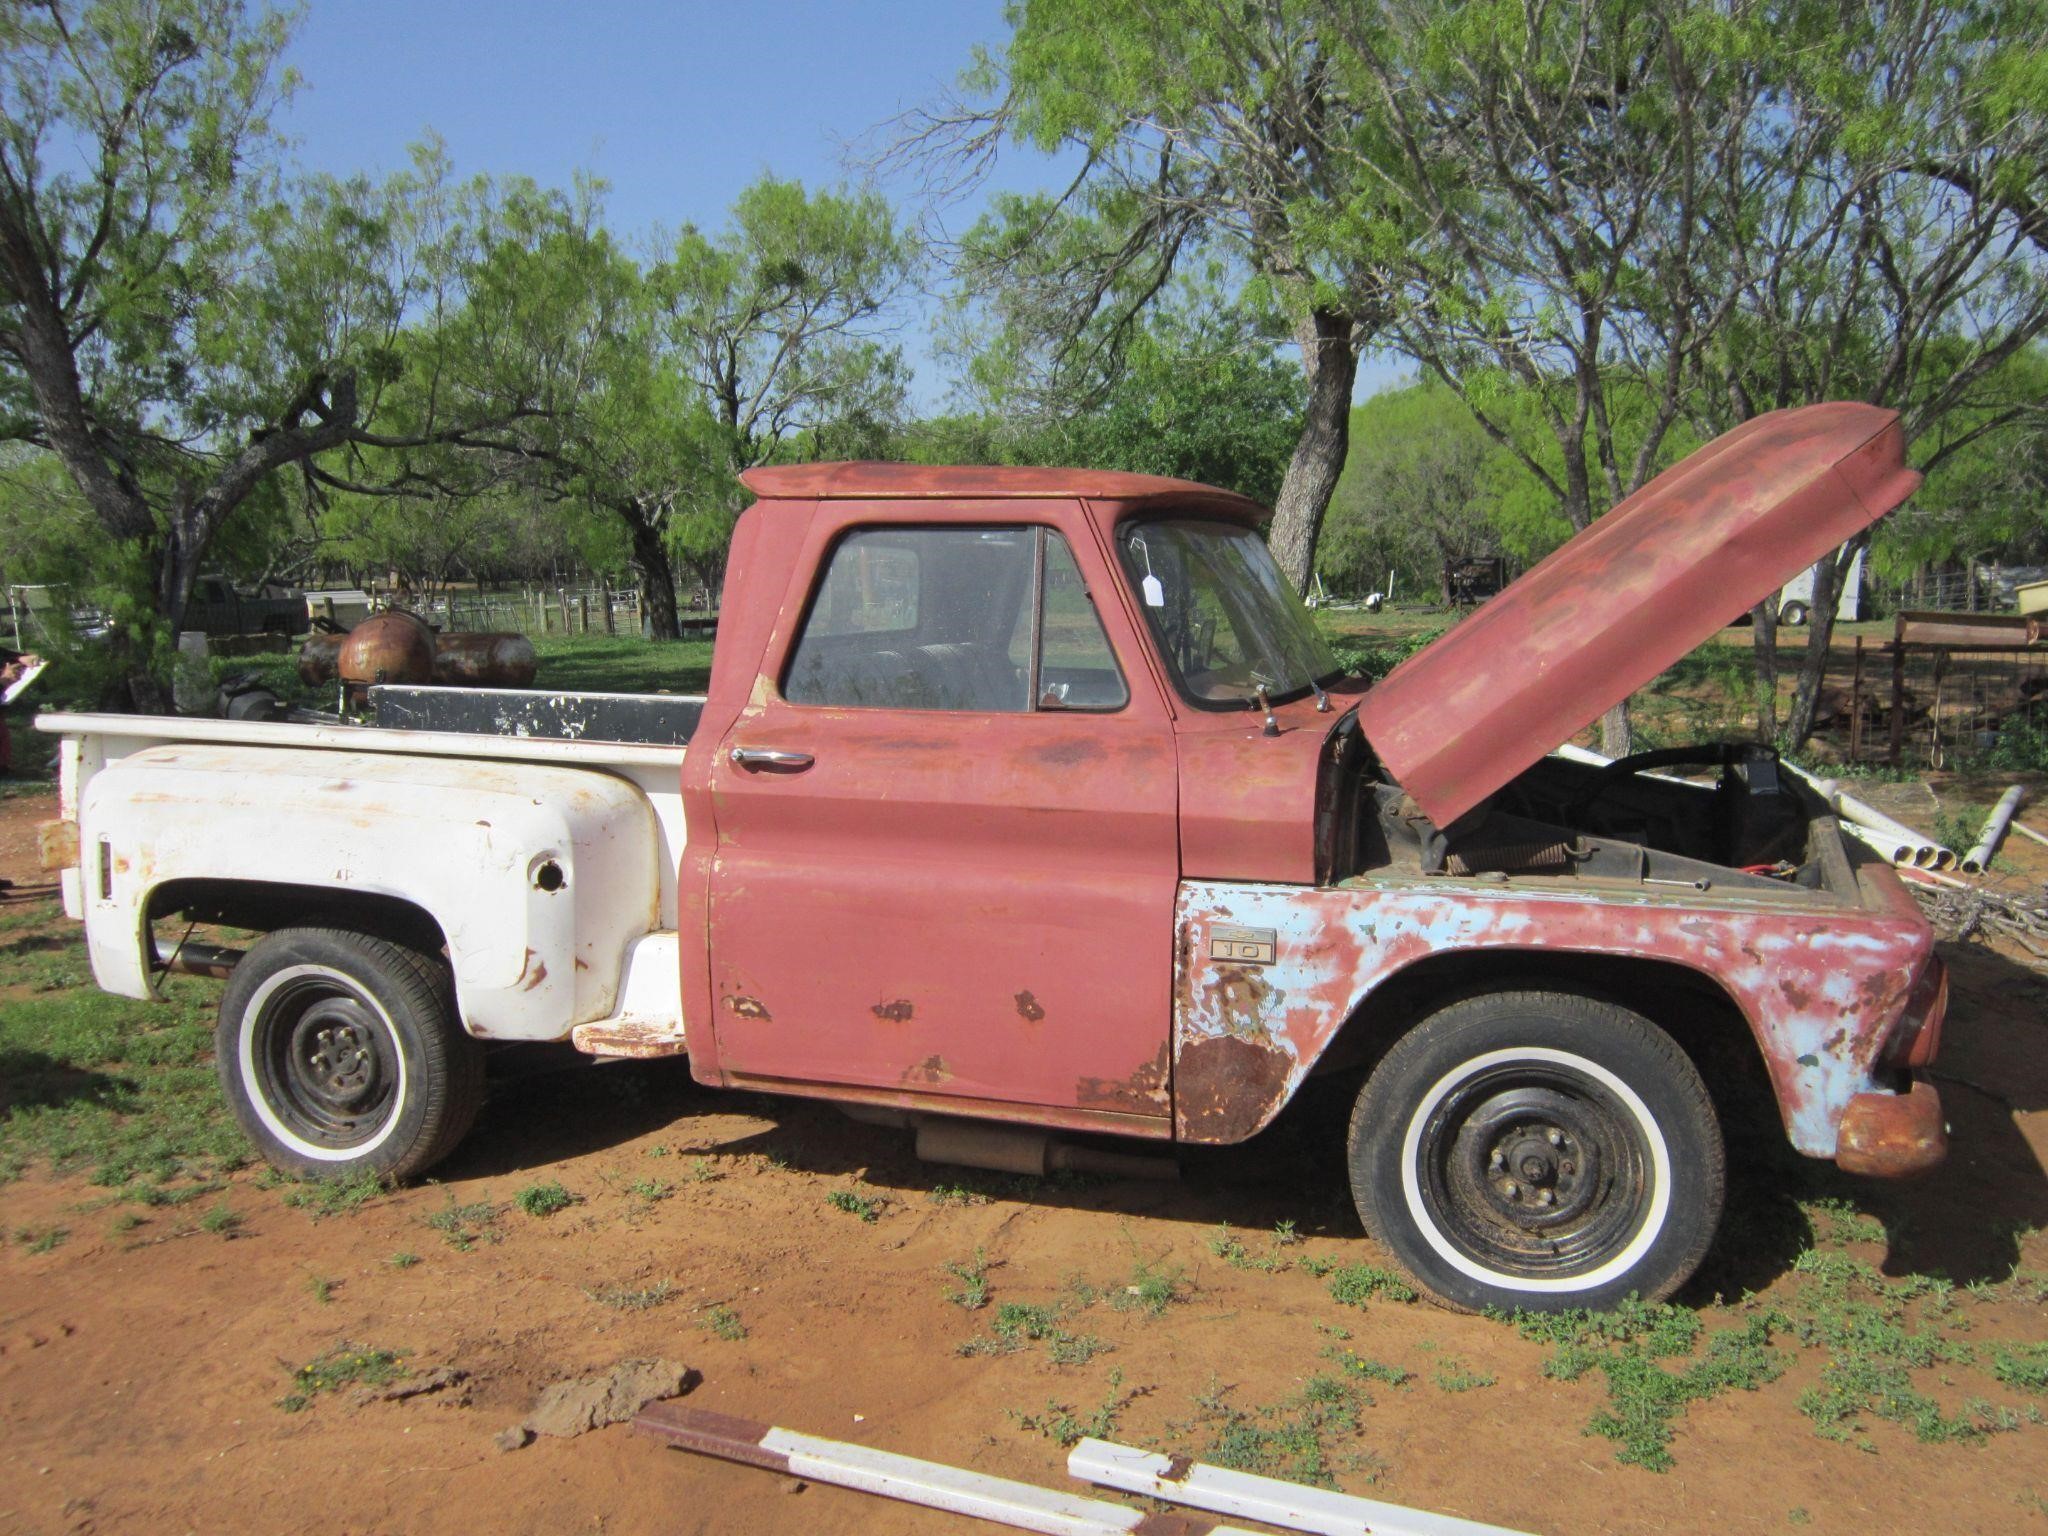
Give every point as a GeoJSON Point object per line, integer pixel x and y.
{"type": "Point", "coordinates": [538, 975]}
{"type": "Point", "coordinates": [896, 1013]}
{"type": "Point", "coordinates": [1799, 997]}
{"type": "Point", "coordinates": [749, 1008]}
{"type": "Point", "coordinates": [1142, 1093]}
{"type": "Point", "coordinates": [1239, 998]}
{"type": "Point", "coordinates": [1227, 1086]}
{"type": "Point", "coordinates": [581, 964]}
{"type": "Point", "coordinates": [1028, 1008]}
{"type": "Point", "coordinates": [1890, 1135]}
{"type": "Point", "coordinates": [1177, 1469]}
{"type": "Point", "coordinates": [931, 1071]}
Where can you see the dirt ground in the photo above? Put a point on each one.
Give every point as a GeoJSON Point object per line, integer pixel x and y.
{"type": "Point", "coordinates": [142, 1365]}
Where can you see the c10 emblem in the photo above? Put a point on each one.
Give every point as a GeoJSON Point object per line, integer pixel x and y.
{"type": "Point", "coordinates": [1242, 946]}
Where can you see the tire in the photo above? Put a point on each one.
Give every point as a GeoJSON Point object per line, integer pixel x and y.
{"type": "Point", "coordinates": [1794, 613]}
{"type": "Point", "coordinates": [1611, 1167]}
{"type": "Point", "coordinates": [340, 1054]}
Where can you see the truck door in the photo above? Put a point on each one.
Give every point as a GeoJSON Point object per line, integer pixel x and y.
{"type": "Point", "coordinates": [946, 836]}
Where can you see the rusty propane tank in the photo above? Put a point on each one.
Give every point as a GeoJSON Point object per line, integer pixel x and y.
{"type": "Point", "coordinates": [389, 647]}
{"type": "Point", "coordinates": [319, 657]}
{"type": "Point", "coordinates": [484, 661]}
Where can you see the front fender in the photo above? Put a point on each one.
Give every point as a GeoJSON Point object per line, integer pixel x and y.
{"type": "Point", "coordinates": [1822, 987]}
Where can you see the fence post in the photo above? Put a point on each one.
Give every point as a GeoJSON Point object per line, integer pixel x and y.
{"type": "Point", "coordinates": [583, 613]}
{"type": "Point", "coordinates": [611, 625]}
{"type": "Point", "coordinates": [1856, 705]}
{"type": "Point", "coordinates": [1898, 721]}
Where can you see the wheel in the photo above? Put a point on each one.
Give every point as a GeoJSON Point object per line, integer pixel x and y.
{"type": "Point", "coordinates": [1794, 613]}
{"type": "Point", "coordinates": [1538, 1150]}
{"type": "Point", "coordinates": [340, 1054]}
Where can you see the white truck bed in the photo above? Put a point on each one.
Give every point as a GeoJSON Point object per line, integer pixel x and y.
{"type": "Point", "coordinates": [548, 865]}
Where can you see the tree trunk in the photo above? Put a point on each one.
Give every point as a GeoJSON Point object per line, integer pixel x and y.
{"type": "Point", "coordinates": [1331, 361]}
{"type": "Point", "coordinates": [1763, 634]}
{"type": "Point", "coordinates": [657, 576]}
{"type": "Point", "coordinates": [1813, 667]}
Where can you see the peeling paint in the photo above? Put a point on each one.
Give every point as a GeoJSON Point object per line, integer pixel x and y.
{"type": "Point", "coordinates": [1028, 1008]}
{"type": "Point", "coordinates": [898, 1012]}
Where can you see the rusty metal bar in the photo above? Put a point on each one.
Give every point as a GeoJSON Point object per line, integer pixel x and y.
{"type": "Point", "coordinates": [933, 1484]}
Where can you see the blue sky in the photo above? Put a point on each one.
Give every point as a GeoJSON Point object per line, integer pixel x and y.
{"type": "Point", "coordinates": [678, 105]}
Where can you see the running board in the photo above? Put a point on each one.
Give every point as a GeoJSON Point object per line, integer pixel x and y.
{"type": "Point", "coordinates": [630, 1039]}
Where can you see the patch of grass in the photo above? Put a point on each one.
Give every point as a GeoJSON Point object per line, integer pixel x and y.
{"type": "Point", "coordinates": [335, 1197]}
{"type": "Point", "coordinates": [972, 1293]}
{"type": "Point", "coordinates": [2021, 1365]}
{"type": "Point", "coordinates": [44, 1241]}
{"type": "Point", "coordinates": [650, 1190]}
{"type": "Point", "coordinates": [866, 1207]}
{"type": "Point", "coordinates": [403, 1259]}
{"type": "Point", "coordinates": [544, 1200]}
{"type": "Point", "coordinates": [1153, 1287]}
{"type": "Point", "coordinates": [1451, 1376]}
{"type": "Point", "coordinates": [221, 1220]}
{"type": "Point", "coordinates": [1358, 1367]}
{"type": "Point", "coordinates": [1835, 1220]}
{"type": "Point", "coordinates": [624, 1298]}
{"type": "Point", "coordinates": [120, 1089]}
{"type": "Point", "coordinates": [124, 1223]}
{"type": "Point", "coordinates": [1018, 1323]}
{"type": "Point", "coordinates": [724, 1323]}
{"type": "Point", "coordinates": [1356, 1284]}
{"type": "Point", "coordinates": [1230, 1248]}
{"type": "Point", "coordinates": [346, 1365]}
{"type": "Point", "coordinates": [1294, 1439]}
{"type": "Point", "coordinates": [1644, 1398]}
{"type": "Point", "coordinates": [956, 1194]}
{"type": "Point", "coordinates": [702, 1171]}
{"type": "Point", "coordinates": [321, 1289]}
{"type": "Point", "coordinates": [1061, 1425]}
{"type": "Point", "coordinates": [462, 1227]}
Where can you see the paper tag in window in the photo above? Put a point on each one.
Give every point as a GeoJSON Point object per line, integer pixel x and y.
{"type": "Point", "coordinates": [1154, 590]}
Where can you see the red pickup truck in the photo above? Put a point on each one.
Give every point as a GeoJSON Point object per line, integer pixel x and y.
{"type": "Point", "coordinates": [1035, 796]}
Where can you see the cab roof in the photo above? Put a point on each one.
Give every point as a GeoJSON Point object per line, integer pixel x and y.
{"type": "Point", "coordinates": [877, 480]}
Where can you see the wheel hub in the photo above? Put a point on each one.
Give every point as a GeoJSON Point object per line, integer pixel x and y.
{"type": "Point", "coordinates": [332, 1070]}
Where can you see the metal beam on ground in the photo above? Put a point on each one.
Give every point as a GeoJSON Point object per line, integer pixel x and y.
{"type": "Point", "coordinates": [1288, 1505]}
{"type": "Point", "coordinates": [1000, 1500]}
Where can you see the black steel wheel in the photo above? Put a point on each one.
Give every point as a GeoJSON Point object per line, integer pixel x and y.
{"type": "Point", "coordinates": [1538, 1150]}
{"type": "Point", "coordinates": [340, 1054]}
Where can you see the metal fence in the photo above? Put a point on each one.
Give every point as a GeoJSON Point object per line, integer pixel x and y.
{"type": "Point", "coordinates": [1946, 691]}
{"type": "Point", "coordinates": [558, 611]}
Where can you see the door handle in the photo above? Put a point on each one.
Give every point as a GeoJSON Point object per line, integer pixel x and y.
{"type": "Point", "coordinates": [770, 757]}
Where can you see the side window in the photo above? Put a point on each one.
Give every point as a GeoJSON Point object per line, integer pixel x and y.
{"type": "Point", "coordinates": [1076, 667]}
{"type": "Point", "coordinates": [967, 619]}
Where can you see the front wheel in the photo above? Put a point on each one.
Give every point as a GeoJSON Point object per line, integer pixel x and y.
{"type": "Point", "coordinates": [340, 1054]}
{"type": "Point", "coordinates": [1538, 1150]}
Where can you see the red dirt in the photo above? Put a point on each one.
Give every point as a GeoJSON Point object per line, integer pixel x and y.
{"type": "Point", "coordinates": [140, 1371]}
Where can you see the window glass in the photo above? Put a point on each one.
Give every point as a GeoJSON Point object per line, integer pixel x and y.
{"type": "Point", "coordinates": [957, 619]}
{"type": "Point", "coordinates": [1076, 667]}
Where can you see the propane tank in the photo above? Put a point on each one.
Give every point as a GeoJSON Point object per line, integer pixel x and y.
{"type": "Point", "coordinates": [389, 647]}
{"type": "Point", "coordinates": [319, 657]}
{"type": "Point", "coordinates": [484, 661]}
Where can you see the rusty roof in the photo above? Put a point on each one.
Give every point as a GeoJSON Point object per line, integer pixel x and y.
{"type": "Point", "coordinates": [878, 480]}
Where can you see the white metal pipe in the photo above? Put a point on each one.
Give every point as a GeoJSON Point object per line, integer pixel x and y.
{"type": "Point", "coordinates": [2026, 831]}
{"type": "Point", "coordinates": [1287, 1505]}
{"type": "Point", "coordinates": [1022, 1506]}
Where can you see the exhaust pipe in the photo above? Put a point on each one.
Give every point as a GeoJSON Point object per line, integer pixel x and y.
{"type": "Point", "coordinates": [1017, 1149]}
{"type": "Point", "coordinates": [193, 958]}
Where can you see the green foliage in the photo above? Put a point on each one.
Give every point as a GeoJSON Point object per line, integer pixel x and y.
{"type": "Point", "coordinates": [1294, 1439]}
{"type": "Point", "coordinates": [346, 1365]}
{"type": "Point", "coordinates": [1356, 1284]}
{"type": "Point", "coordinates": [972, 1294]}
{"type": "Point", "coordinates": [624, 1298]}
{"type": "Point", "coordinates": [543, 1200]}
{"type": "Point", "coordinates": [1017, 1324]}
{"type": "Point", "coordinates": [1061, 1425]}
{"type": "Point", "coordinates": [1153, 1287]}
{"type": "Point", "coordinates": [721, 1322]}
{"type": "Point", "coordinates": [867, 1207]}
{"type": "Point", "coordinates": [342, 1196]}
{"type": "Point", "coordinates": [463, 1226]}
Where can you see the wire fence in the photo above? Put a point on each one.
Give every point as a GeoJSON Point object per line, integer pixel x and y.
{"type": "Point", "coordinates": [1921, 705]}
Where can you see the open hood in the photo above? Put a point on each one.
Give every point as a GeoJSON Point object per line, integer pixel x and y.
{"type": "Point", "coordinates": [1624, 600]}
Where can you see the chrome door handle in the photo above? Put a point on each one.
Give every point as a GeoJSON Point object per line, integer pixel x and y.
{"type": "Point", "coordinates": [769, 757]}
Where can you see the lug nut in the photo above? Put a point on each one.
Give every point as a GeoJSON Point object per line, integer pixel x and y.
{"type": "Point", "coordinates": [1545, 1197]}
{"type": "Point", "coordinates": [1556, 1138]}
{"type": "Point", "coordinates": [1513, 1190]}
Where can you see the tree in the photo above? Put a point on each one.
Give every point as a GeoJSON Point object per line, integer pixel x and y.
{"type": "Point", "coordinates": [1206, 130]}
{"type": "Point", "coordinates": [171, 329]}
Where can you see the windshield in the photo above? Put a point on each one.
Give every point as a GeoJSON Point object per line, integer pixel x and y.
{"type": "Point", "coordinates": [1225, 618]}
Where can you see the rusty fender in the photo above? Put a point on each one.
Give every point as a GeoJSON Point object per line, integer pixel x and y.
{"type": "Point", "coordinates": [1823, 988]}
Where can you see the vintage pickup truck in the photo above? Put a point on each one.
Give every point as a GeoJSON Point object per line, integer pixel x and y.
{"type": "Point", "coordinates": [1029, 804]}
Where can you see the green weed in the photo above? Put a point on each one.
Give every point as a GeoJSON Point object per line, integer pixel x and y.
{"type": "Point", "coordinates": [346, 1365]}
{"type": "Point", "coordinates": [1060, 1424]}
{"type": "Point", "coordinates": [1293, 1439]}
{"type": "Point", "coordinates": [724, 1323]}
{"type": "Point", "coordinates": [45, 1241]}
{"type": "Point", "coordinates": [221, 1220]}
{"type": "Point", "coordinates": [956, 1194]}
{"type": "Point", "coordinates": [1451, 1376]}
{"type": "Point", "coordinates": [621, 1298]}
{"type": "Point", "coordinates": [972, 1294]}
{"type": "Point", "coordinates": [1356, 1284]}
{"type": "Point", "coordinates": [321, 1289]}
{"type": "Point", "coordinates": [866, 1207]}
{"type": "Point", "coordinates": [1152, 1288]}
{"type": "Point", "coordinates": [544, 1200]}
{"type": "Point", "coordinates": [403, 1259]}
{"type": "Point", "coordinates": [462, 1227]}
{"type": "Point", "coordinates": [1017, 1324]}
{"type": "Point", "coordinates": [336, 1197]}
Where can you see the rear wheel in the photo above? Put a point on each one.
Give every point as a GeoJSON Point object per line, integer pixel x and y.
{"type": "Point", "coordinates": [340, 1054]}
{"type": "Point", "coordinates": [1538, 1150]}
